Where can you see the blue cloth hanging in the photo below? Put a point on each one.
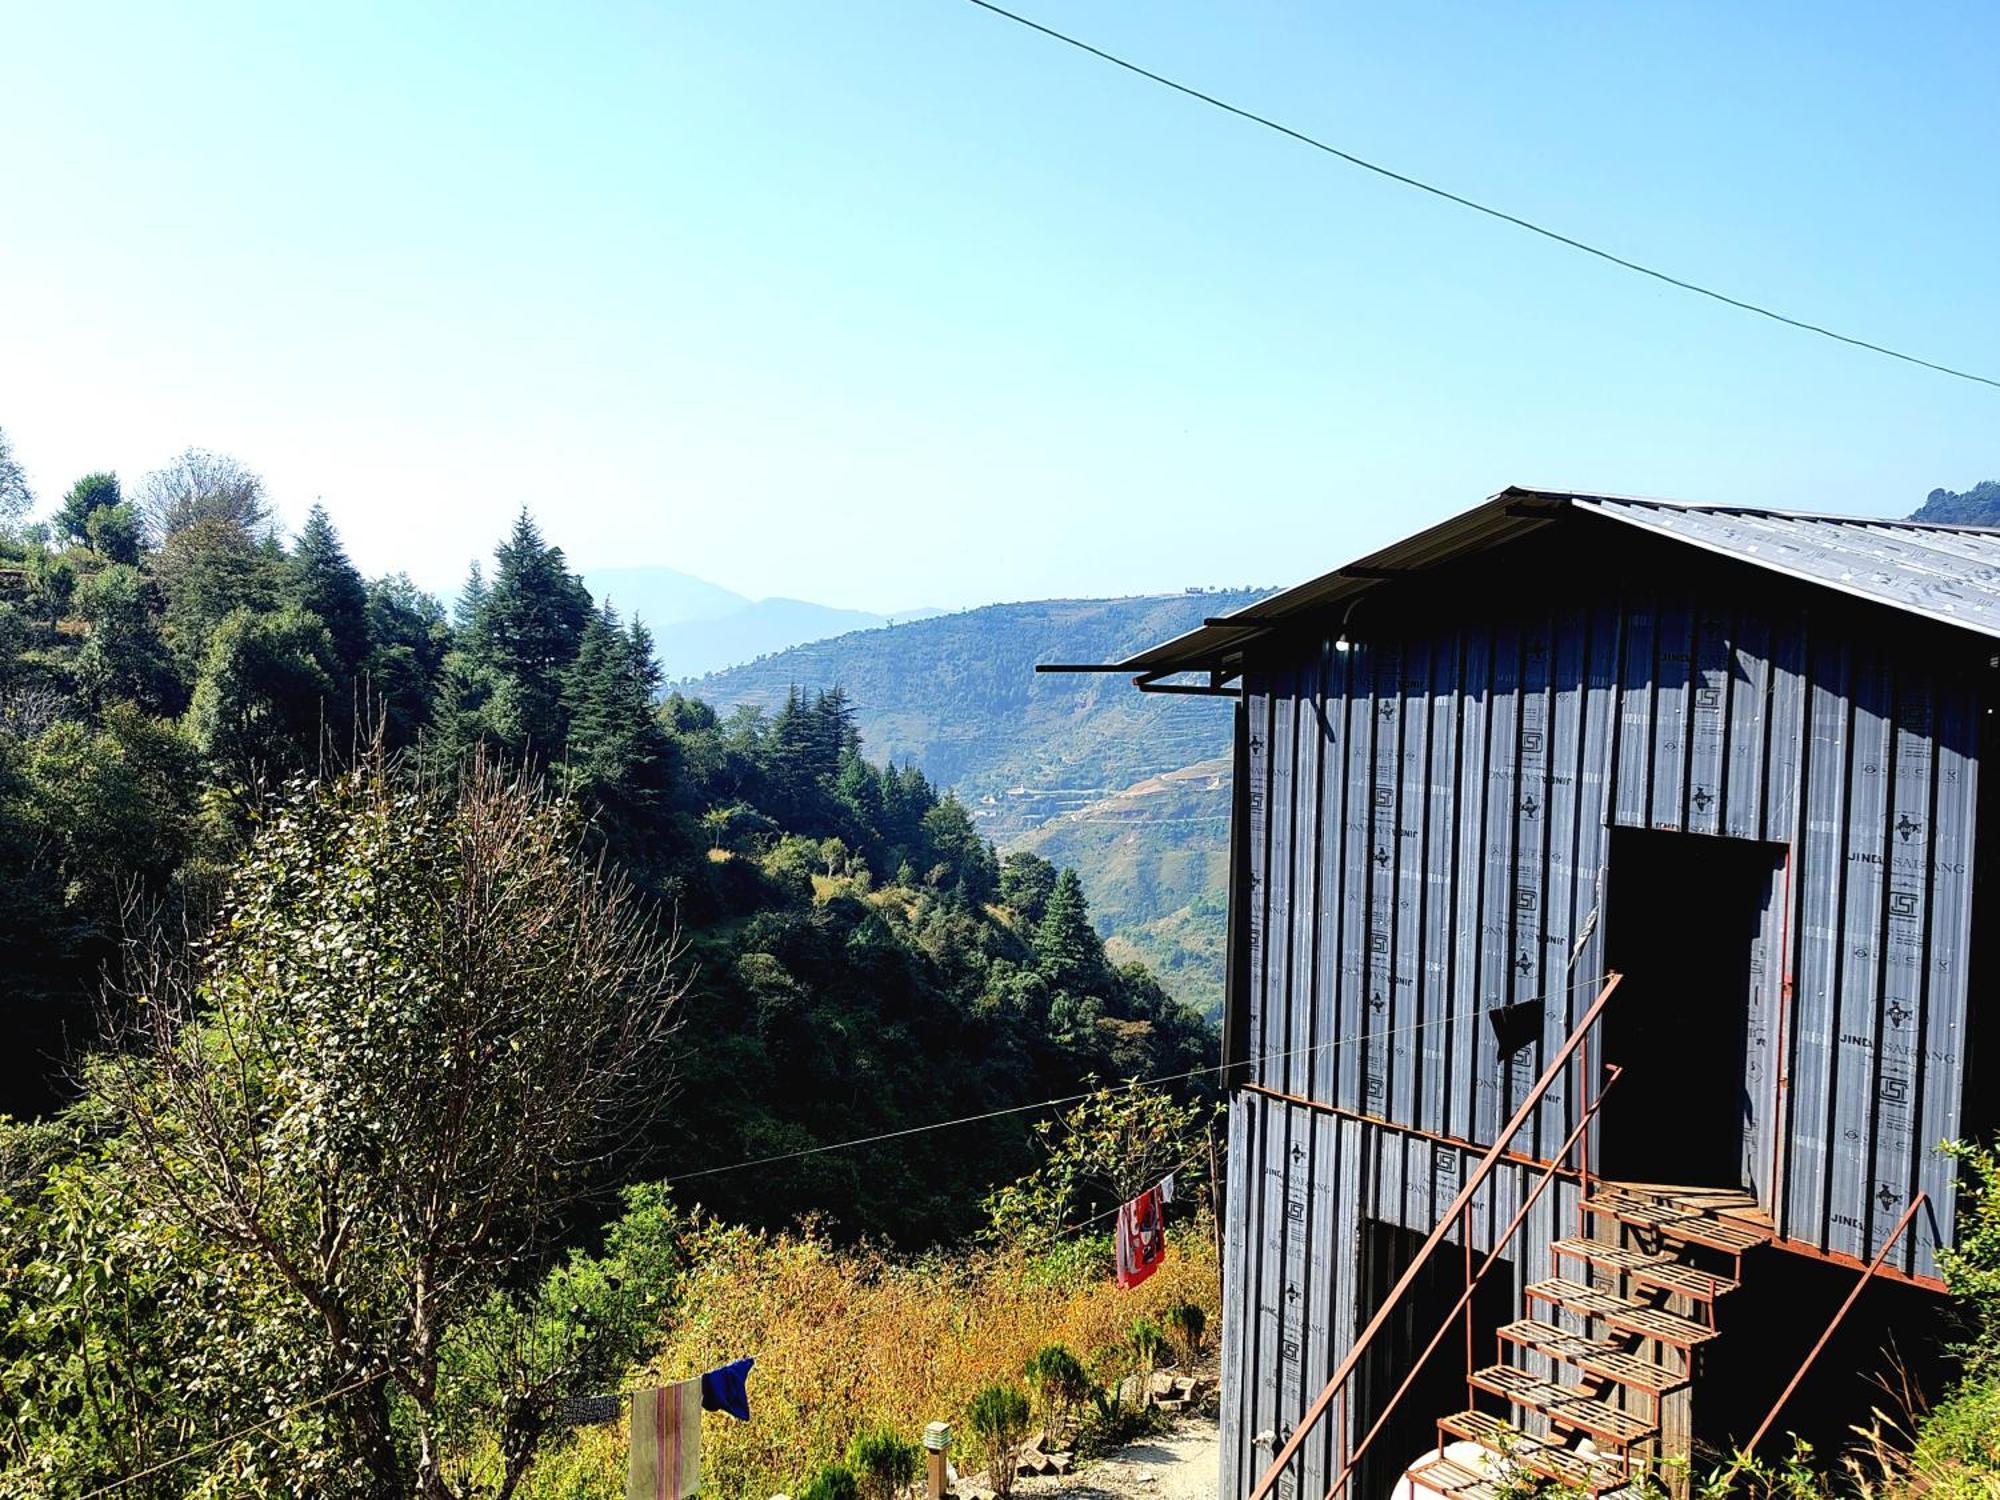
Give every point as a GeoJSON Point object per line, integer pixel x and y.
{"type": "Point", "coordinates": [724, 1390]}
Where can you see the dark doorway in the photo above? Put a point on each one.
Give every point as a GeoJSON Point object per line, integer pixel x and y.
{"type": "Point", "coordinates": [1683, 914]}
{"type": "Point", "coordinates": [1386, 1252]}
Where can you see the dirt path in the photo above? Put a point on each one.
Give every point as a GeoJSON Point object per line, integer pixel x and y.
{"type": "Point", "coordinates": [1181, 1464]}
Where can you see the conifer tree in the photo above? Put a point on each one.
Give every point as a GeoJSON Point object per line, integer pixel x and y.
{"type": "Point", "coordinates": [321, 579]}
{"type": "Point", "coordinates": [471, 600]}
{"type": "Point", "coordinates": [531, 624]}
{"type": "Point", "coordinates": [1068, 952]}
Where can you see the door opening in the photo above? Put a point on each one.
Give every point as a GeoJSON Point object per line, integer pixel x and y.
{"type": "Point", "coordinates": [1684, 914]}
{"type": "Point", "coordinates": [1386, 1252]}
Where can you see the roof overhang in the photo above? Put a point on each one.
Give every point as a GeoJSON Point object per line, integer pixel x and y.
{"type": "Point", "coordinates": [1943, 573]}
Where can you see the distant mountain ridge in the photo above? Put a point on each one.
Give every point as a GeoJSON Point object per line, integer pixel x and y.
{"type": "Point", "coordinates": [1130, 787]}
{"type": "Point", "coordinates": [700, 627]}
{"type": "Point", "coordinates": [959, 695]}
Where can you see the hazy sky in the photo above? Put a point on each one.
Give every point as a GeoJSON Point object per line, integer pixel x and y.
{"type": "Point", "coordinates": [887, 302]}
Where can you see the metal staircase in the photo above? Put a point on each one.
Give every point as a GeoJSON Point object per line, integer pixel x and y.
{"type": "Point", "coordinates": [1609, 1339]}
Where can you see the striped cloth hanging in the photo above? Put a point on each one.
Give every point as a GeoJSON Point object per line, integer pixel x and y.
{"type": "Point", "coordinates": [665, 1459]}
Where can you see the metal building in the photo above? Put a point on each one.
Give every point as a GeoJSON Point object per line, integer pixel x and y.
{"type": "Point", "coordinates": [1731, 755]}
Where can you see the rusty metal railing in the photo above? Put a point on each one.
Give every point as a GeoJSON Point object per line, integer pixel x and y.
{"type": "Point", "coordinates": [1464, 1303]}
{"type": "Point", "coordinates": [1840, 1316]}
{"type": "Point", "coordinates": [1572, 1048]}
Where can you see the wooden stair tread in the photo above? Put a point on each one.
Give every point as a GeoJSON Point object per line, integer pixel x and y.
{"type": "Point", "coordinates": [1731, 1236]}
{"type": "Point", "coordinates": [1623, 1313]}
{"type": "Point", "coordinates": [1663, 1271]}
{"type": "Point", "coordinates": [1601, 1473]}
{"type": "Point", "coordinates": [1442, 1476]}
{"type": "Point", "coordinates": [1593, 1356]}
{"type": "Point", "coordinates": [1569, 1405]}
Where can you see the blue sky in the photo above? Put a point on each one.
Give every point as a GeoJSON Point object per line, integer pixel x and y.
{"type": "Point", "coordinates": [887, 302]}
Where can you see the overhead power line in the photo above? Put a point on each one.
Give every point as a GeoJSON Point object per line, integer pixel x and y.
{"type": "Point", "coordinates": [1472, 203]}
{"type": "Point", "coordinates": [1040, 1104]}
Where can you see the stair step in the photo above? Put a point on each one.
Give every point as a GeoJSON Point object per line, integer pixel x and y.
{"type": "Point", "coordinates": [1692, 1226]}
{"type": "Point", "coordinates": [1442, 1476]}
{"type": "Point", "coordinates": [1570, 1405]}
{"type": "Point", "coordinates": [1599, 1473]}
{"type": "Point", "coordinates": [1623, 1313]}
{"type": "Point", "coordinates": [1663, 1271]}
{"type": "Point", "coordinates": [1594, 1356]}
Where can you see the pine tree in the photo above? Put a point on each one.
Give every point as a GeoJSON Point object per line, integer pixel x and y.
{"type": "Point", "coordinates": [530, 626]}
{"type": "Point", "coordinates": [617, 750]}
{"type": "Point", "coordinates": [321, 579]}
{"type": "Point", "coordinates": [471, 600]}
{"type": "Point", "coordinates": [1068, 952]}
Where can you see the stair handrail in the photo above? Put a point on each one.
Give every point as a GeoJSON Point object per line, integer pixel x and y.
{"type": "Point", "coordinates": [1500, 1242]}
{"type": "Point", "coordinates": [1473, 1182]}
{"type": "Point", "coordinates": [1839, 1316]}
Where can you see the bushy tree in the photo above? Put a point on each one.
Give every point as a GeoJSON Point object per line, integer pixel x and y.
{"type": "Point", "coordinates": [883, 1461]}
{"type": "Point", "coordinates": [1103, 1151]}
{"type": "Point", "coordinates": [203, 489]}
{"type": "Point", "coordinates": [88, 496]}
{"type": "Point", "coordinates": [1026, 883]}
{"type": "Point", "coordinates": [998, 1418]}
{"type": "Point", "coordinates": [260, 704]}
{"type": "Point", "coordinates": [421, 1026]}
{"type": "Point", "coordinates": [123, 656]}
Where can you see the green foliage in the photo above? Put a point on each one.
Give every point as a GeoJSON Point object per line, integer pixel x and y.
{"type": "Point", "coordinates": [1103, 1151]}
{"type": "Point", "coordinates": [1971, 1264]}
{"type": "Point", "coordinates": [114, 533]}
{"type": "Point", "coordinates": [998, 1420]}
{"type": "Point", "coordinates": [884, 1461]}
{"type": "Point", "coordinates": [1978, 506]}
{"type": "Point", "coordinates": [88, 496]}
{"type": "Point", "coordinates": [1149, 1344]}
{"type": "Point", "coordinates": [322, 582]}
{"type": "Point", "coordinates": [372, 1096]}
{"type": "Point", "coordinates": [1060, 1385]}
{"type": "Point", "coordinates": [1026, 883]}
{"type": "Point", "coordinates": [1186, 1323]}
{"type": "Point", "coordinates": [832, 1482]}
{"type": "Point", "coordinates": [259, 704]}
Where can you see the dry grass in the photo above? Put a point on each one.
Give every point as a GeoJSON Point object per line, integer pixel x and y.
{"type": "Point", "coordinates": [846, 1338]}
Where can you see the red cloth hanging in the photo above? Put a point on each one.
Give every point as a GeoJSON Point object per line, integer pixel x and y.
{"type": "Point", "coordinates": [1141, 1240]}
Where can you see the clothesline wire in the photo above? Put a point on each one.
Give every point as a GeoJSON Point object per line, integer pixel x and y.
{"type": "Point", "coordinates": [233, 1437]}
{"type": "Point", "coordinates": [1020, 1109]}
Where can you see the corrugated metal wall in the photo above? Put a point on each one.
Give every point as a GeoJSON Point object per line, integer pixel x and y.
{"type": "Point", "coordinates": [1305, 1185]}
{"type": "Point", "coordinates": [1429, 816]}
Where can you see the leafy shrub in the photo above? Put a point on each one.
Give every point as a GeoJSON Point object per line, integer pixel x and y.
{"type": "Point", "coordinates": [1186, 1323]}
{"type": "Point", "coordinates": [1109, 1423]}
{"type": "Point", "coordinates": [998, 1417]}
{"type": "Point", "coordinates": [884, 1461]}
{"type": "Point", "coordinates": [832, 1482]}
{"type": "Point", "coordinates": [1148, 1344]}
{"type": "Point", "coordinates": [1060, 1384]}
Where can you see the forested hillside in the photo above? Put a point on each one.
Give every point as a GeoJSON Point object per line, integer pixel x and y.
{"type": "Point", "coordinates": [168, 661]}
{"type": "Point", "coordinates": [1130, 788]}
{"type": "Point", "coordinates": [357, 957]}
{"type": "Point", "coordinates": [1978, 506]}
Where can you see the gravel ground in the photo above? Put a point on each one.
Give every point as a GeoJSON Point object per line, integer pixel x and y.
{"type": "Point", "coordinates": [1182, 1464]}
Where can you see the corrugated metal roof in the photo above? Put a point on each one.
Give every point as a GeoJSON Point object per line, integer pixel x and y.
{"type": "Point", "coordinates": [1949, 574]}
